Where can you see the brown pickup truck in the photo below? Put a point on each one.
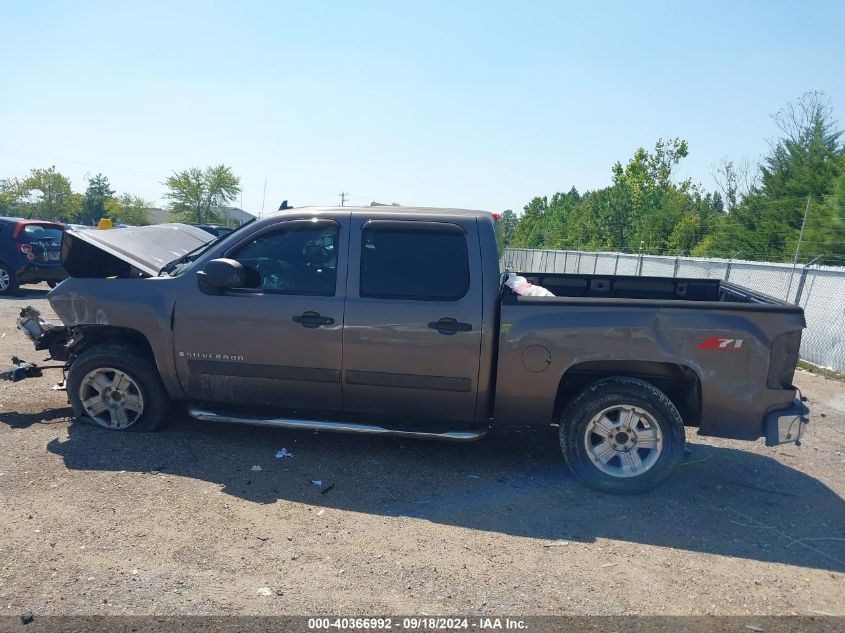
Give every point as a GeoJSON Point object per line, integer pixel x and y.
{"type": "Point", "coordinates": [396, 321]}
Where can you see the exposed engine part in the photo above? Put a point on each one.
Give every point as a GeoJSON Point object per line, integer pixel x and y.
{"type": "Point", "coordinates": [33, 324]}
{"type": "Point", "coordinates": [44, 334]}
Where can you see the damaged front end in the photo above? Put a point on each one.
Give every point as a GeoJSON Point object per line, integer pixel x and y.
{"type": "Point", "coordinates": [98, 262]}
{"type": "Point", "coordinates": [56, 339]}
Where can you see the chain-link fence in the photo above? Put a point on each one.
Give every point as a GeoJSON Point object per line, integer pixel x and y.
{"type": "Point", "coordinates": [820, 290]}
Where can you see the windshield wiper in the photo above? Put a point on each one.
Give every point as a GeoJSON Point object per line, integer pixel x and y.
{"type": "Point", "coordinates": [191, 255]}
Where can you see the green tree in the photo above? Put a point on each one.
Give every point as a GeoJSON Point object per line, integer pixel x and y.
{"type": "Point", "coordinates": [96, 195]}
{"type": "Point", "coordinates": [129, 209]}
{"type": "Point", "coordinates": [505, 228]}
{"type": "Point", "coordinates": [528, 231]}
{"type": "Point", "coordinates": [55, 198]}
{"type": "Point", "coordinates": [13, 197]}
{"type": "Point", "coordinates": [198, 195]}
{"type": "Point", "coordinates": [803, 165]}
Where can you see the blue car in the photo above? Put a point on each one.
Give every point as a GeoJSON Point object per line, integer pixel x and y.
{"type": "Point", "coordinates": [30, 252]}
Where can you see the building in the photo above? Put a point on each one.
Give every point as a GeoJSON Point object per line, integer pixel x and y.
{"type": "Point", "coordinates": [229, 215]}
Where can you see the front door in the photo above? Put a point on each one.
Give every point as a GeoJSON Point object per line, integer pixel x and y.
{"type": "Point", "coordinates": [277, 343]}
{"type": "Point", "coordinates": [412, 337]}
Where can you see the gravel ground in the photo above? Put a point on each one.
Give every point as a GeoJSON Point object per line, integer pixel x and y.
{"type": "Point", "coordinates": [183, 521]}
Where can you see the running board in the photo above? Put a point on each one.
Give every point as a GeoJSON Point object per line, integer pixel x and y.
{"type": "Point", "coordinates": [339, 427]}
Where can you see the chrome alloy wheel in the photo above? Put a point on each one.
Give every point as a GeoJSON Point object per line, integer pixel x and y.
{"type": "Point", "coordinates": [111, 398]}
{"type": "Point", "coordinates": [623, 441]}
{"type": "Point", "coordinates": [5, 280]}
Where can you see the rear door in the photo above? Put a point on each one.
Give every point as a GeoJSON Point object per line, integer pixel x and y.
{"type": "Point", "coordinates": [412, 334]}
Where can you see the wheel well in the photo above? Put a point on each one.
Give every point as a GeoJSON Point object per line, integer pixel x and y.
{"type": "Point", "coordinates": [103, 334]}
{"type": "Point", "coordinates": [679, 382]}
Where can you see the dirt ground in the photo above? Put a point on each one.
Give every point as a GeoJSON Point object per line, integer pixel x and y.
{"type": "Point", "coordinates": [183, 521]}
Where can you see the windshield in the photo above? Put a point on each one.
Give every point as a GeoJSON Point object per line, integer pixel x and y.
{"type": "Point", "coordinates": [181, 264]}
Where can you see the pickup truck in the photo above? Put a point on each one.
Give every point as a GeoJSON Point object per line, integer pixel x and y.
{"type": "Point", "coordinates": [396, 321]}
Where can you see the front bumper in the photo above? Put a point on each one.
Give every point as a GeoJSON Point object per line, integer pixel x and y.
{"type": "Point", "coordinates": [785, 426]}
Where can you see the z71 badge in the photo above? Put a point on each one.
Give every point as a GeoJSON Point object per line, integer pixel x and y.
{"type": "Point", "coordinates": [720, 342]}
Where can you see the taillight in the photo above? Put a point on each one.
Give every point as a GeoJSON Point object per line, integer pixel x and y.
{"type": "Point", "coordinates": [26, 249]}
{"type": "Point", "coordinates": [783, 359]}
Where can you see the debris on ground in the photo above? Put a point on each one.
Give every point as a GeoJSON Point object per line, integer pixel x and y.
{"type": "Point", "coordinates": [264, 591]}
{"type": "Point", "coordinates": [256, 468]}
{"type": "Point", "coordinates": [317, 482]}
{"type": "Point", "coordinates": [557, 543]}
{"type": "Point", "coordinates": [283, 453]}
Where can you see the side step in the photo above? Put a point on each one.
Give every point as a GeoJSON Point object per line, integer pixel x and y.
{"type": "Point", "coordinates": [339, 427]}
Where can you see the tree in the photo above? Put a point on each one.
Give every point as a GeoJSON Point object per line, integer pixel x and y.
{"type": "Point", "coordinates": [528, 231]}
{"type": "Point", "coordinates": [800, 173]}
{"type": "Point", "coordinates": [504, 229]}
{"type": "Point", "coordinates": [129, 209]}
{"type": "Point", "coordinates": [13, 196]}
{"type": "Point", "coordinates": [96, 196]}
{"type": "Point", "coordinates": [198, 195]}
{"type": "Point", "coordinates": [55, 200]}
{"type": "Point", "coordinates": [735, 179]}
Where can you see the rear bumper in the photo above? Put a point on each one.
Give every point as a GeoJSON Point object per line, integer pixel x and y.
{"type": "Point", "coordinates": [35, 273]}
{"type": "Point", "coordinates": [785, 426]}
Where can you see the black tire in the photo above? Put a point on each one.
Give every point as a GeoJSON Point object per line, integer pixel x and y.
{"type": "Point", "coordinates": [629, 395]}
{"type": "Point", "coordinates": [138, 367]}
{"type": "Point", "coordinates": [12, 287]}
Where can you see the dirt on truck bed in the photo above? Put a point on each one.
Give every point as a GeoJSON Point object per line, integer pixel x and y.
{"type": "Point", "coordinates": [206, 519]}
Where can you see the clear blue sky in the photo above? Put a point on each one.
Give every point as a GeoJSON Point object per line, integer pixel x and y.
{"type": "Point", "coordinates": [474, 104]}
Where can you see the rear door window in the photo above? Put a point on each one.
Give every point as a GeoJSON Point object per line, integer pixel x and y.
{"type": "Point", "coordinates": [39, 233]}
{"type": "Point", "coordinates": [424, 263]}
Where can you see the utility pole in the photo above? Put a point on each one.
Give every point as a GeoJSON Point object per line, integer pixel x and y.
{"type": "Point", "coordinates": [798, 248]}
{"type": "Point", "coordinates": [801, 234]}
{"type": "Point", "coordinates": [343, 198]}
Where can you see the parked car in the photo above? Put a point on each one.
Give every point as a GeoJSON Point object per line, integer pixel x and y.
{"type": "Point", "coordinates": [30, 252]}
{"type": "Point", "coordinates": [215, 229]}
{"type": "Point", "coordinates": [397, 321]}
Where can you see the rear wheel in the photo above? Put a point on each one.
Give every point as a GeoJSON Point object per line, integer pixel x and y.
{"type": "Point", "coordinates": [8, 281]}
{"type": "Point", "coordinates": [117, 387]}
{"type": "Point", "coordinates": [622, 435]}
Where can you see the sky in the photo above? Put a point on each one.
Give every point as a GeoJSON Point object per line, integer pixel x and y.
{"type": "Point", "coordinates": [481, 105]}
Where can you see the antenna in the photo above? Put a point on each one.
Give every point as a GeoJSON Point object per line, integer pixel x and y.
{"type": "Point", "coordinates": [263, 198]}
{"type": "Point", "coordinates": [343, 198]}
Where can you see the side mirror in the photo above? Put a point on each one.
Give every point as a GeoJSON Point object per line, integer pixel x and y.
{"type": "Point", "coordinates": [219, 274]}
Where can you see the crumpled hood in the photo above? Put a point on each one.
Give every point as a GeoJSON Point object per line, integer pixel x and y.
{"type": "Point", "coordinates": [116, 252]}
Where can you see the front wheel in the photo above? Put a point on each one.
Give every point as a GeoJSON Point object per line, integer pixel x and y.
{"type": "Point", "coordinates": [622, 435]}
{"type": "Point", "coordinates": [117, 387]}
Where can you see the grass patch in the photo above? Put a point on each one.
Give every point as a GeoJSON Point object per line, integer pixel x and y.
{"type": "Point", "coordinates": [821, 371]}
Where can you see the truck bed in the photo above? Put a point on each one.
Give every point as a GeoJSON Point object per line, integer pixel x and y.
{"type": "Point", "coordinates": [652, 289]}
{"type": "Point", "coordinates": [733, 349]}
